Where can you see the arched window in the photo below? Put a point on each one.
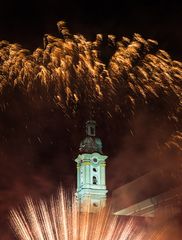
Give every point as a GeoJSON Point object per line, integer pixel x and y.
{"type": "Point", "coordinates": [94, 180]}
{"type": "Point", "coordinates": [94, 169]}
{"type": "Point", "coordinates": [92, 131]}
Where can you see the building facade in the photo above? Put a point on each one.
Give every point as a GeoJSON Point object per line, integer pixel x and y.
{"type": "Point", "coordinates": [158, 192]}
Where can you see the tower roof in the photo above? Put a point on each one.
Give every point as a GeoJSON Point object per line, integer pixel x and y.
{"type": "Point", "coordinates": [91, 143]}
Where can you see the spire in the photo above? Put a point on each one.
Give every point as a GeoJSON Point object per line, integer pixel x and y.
{"type": "Point", "coordinates": [91, 143]}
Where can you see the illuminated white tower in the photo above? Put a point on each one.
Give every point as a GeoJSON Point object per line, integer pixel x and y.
{"type": "Point", "coordinates": [91, 180]}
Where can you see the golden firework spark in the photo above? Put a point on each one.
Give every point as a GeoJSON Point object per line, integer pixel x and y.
{"type": "Point", "coordinates": [69, 72]}
{"type": "Point", "coordinates": [60, 219]}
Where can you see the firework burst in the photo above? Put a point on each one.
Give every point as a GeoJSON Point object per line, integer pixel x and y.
{"type": "Point", "coordinates": [60, 219]}
{"type": "Point", "coordinates": [70, 74]}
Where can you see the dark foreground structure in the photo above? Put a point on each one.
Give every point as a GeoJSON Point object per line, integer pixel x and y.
{"type": "Point", "coordinates": [155, 197]}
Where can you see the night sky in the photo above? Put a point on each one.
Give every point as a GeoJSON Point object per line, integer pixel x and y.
{"type": "Point", "coordinates": [37, 169]}
{"type": "Point", "coordinates": [26, 22]}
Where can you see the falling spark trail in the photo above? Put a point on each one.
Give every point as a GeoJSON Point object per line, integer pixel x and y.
{"type": "Point", "coordinates": [60, 219]}
{"type": "Point", "coordinates": [70, 73]}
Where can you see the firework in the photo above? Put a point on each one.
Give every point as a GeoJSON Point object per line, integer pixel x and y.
{"type": "Point", "coordinates": [69, 73]}
{"type": "Point", "coordinates": [60, 219]}
{"type": "Point", "coordinates": [70, 70]}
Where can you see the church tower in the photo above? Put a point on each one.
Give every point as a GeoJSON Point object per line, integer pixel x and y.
{"type": "Point", "coordinates": [91, 182]}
